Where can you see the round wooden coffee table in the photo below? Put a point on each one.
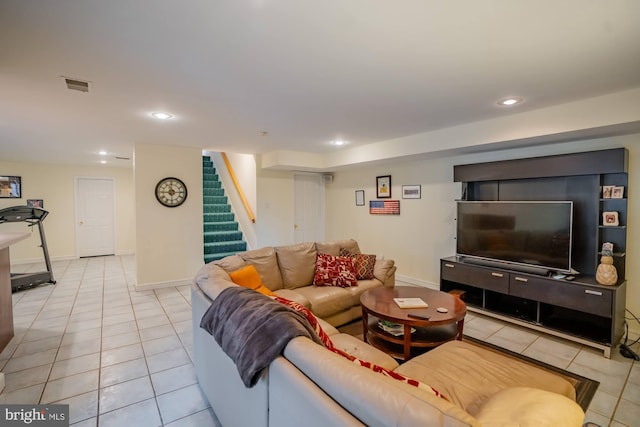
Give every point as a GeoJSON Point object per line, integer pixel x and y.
{"type": "Point", "coordinates": [378, 304]}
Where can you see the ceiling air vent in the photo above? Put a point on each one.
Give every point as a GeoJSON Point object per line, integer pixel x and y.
{"type": "Point", "coordinates": [75, 84]}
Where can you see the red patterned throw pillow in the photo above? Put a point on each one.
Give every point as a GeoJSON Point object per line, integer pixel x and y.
{"type": "Point", "coordinates": [335, 271]}
{"type": "Point", "coordinates": [364, 264]}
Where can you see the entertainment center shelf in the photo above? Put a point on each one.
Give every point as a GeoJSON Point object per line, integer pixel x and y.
{"type": "Point", "coordinates": [581, 309]}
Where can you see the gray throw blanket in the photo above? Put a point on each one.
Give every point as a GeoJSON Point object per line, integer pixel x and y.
{"type": "Point", "coordinates": [253, 329]}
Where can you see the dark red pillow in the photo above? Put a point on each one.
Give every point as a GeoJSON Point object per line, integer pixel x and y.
{"type": "Point", "coordinates": [364, 264]}
{"type": "Point", "coordinates": [335, 271]}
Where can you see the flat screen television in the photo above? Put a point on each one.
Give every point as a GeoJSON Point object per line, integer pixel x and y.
{"type": "Point", "coordinates": [10, 187]}
{"type": "Point", "coordinates": [533, 236]}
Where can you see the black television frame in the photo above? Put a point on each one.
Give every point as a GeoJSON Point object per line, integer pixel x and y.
{"type": "Point", "coordinates": [509, 263]}
{"type": "Point", "coordinates": [9, 179]}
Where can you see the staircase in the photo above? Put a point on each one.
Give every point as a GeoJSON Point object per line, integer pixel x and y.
{"type": "Point", "coordinates": [221, 234]}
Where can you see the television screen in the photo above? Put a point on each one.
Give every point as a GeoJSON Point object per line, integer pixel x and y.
{"type": "Point", "coordinates": [10, 187]}
{"type": "Point", "coordinates": [532, 234]}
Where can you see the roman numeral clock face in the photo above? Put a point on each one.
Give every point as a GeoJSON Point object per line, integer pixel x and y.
{"type": "Point", "coordinates": [171, 192]}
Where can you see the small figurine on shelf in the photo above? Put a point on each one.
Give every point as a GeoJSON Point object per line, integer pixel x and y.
{"type": "Point", "coordinates": [606, 274]}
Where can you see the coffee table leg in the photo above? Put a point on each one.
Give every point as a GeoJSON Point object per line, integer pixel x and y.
{"type": "Point", "coordinates": [407, 342]}
{"type": "Point", "coordinates": [365, 325]}
{"type": "Point", "coordinates": [460, 328]}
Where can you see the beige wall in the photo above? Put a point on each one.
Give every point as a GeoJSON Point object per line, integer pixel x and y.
{"type": "Point", "coordinates": [424, 231]}
{"type": "Point", "coordinates": [169, 241]}
{"type": "Point", "coordinates": [275, 209]}
{"type": "Point", "coordinates": [54, 184]}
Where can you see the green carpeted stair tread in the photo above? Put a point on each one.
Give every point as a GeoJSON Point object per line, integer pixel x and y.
{"type": "Point", "coordinates": [215, 200]}
{"type": "Point", "coordinates": [222, 236]}
{"type": "Point", "coordinates": [218, 217]}
{"type": "Point", "coordinates": [220, 226]}
{"type": "Point", "coordinates": [213, 192]}
{"type": "Point", "coordinates": [218, 247]}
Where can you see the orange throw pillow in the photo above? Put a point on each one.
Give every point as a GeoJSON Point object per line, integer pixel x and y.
{"type": "Point", "coordinates": [249, 278]}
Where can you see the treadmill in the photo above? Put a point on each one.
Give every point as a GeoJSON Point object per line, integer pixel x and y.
{"type": "Point", "coordinates": [32, 216]}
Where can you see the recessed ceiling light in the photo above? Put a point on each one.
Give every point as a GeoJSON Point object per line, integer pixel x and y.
{"type": "Point", "coordinates": [339, 142]}
{"type": "Point", "coordinates": [161, 116]}
{"type": "Point", "coordinates": [102, 153]}
{"type": "Point", "coordinates": [510, 101]}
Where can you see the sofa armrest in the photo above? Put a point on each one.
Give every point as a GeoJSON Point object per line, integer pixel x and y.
{"type": "Point", "coordinates": [385, 271]}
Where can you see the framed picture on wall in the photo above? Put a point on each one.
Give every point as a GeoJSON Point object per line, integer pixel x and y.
{"type": "Point", "coordinates": [35, 203]}
{"type": "Point", "coordinates": [359, 197]}
{"type": "Point", "coordinates": [383, 187]}
{"type": "Point", "coordinates": [10, 187]}
{"type": "Point", "coordinates": [411, 191]}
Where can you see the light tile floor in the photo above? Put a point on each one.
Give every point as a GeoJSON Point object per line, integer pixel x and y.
{"type": "Point", "coordinates": [122, 357]}
{"type": "Point", "coordinates": [116, 356]}
{"type": "Point", "coordinates": [617, 400]}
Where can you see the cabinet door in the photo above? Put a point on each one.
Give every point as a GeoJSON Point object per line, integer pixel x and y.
{"type": "Point", "coordinates": [480, 277]}
{"type": "Point", "coordinates": [575, 296]}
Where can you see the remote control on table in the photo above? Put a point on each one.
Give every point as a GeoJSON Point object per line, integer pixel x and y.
{"type": "Point", "coordinates": [419, 316]}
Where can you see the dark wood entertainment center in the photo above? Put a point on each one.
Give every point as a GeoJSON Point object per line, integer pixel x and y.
{"type": "Point", "coordinates": [580, 310]}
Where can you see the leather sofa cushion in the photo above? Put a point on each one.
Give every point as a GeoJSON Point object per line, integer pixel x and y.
{"type": "Point", "coordinates": [530, 407]}
{"type": "Point", "coordinates": [371, 397]}
{"type": "Point", "coordinates": [231, 263]}
{"type": "Point", "coordinates": [297, 264]}
{"type": "Point", "coordinates": [382, 269]}
{"type": "Point", "coordinates": [485, 373]}
{"type": "Point", "coordinates": [353, 346]}
{"type": "Point", "coordinates": [330, 248]}
{"type": "Point", "coordinates": [212, 280]}
{"type": "Point", "coordinates": [294, 296]}
{"type": "Point", "coordinates": [267, 265]}
{"type": "Point", "coordinates": [333, 247]}
{"type": "Point", "coordinates": [327, 300]}
{"type": "Point", "coordinates": [363, 285]}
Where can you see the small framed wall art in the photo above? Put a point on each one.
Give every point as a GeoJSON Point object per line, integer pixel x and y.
{"type": "Point", "coordinates": [411, 191]}
{"type": "Point", "coordinates": [383, 187]}
{"type": "Point", "coordinates": [35, 203]}
{"type": "Point", "coordinates": [359, 197]}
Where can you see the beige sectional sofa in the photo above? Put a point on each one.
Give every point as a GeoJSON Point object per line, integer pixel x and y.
{"type": "Point", "coordinates": [289, 270]}
{"type": "Point", "coordinates": [312, 386]}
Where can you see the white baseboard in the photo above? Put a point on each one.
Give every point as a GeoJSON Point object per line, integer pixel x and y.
{"type": "Point", "coordinates": [161, 285]}
{"type": "Point", "coordinates": [416, 282]}
{"type": "Point", "coordinates": [41, 260]}
{"type": "Point", "coordinates": [61, 258]}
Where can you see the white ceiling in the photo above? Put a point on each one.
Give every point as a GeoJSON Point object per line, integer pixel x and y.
{"type": "Point", "coordinates": [305, 71]}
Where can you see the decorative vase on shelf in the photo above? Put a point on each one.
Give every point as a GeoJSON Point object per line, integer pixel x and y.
{"type": "Point", "coordinates": [606, 273]}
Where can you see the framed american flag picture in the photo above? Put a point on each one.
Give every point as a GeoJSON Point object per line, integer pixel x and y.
{"type": "Point", "coordinates": [384, 207]}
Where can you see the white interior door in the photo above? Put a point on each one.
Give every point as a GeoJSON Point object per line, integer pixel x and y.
{"type": "Point", "coordinates": [95, 212]}
{"type": "Point", "coordinates": [309, 208]}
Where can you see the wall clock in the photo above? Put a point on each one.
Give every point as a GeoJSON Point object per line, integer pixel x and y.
{"type": "Point", "coordinates": [171, 192]}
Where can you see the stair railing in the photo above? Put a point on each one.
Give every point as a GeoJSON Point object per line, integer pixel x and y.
{"type": "Point", "coordinates": [238, 189]}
